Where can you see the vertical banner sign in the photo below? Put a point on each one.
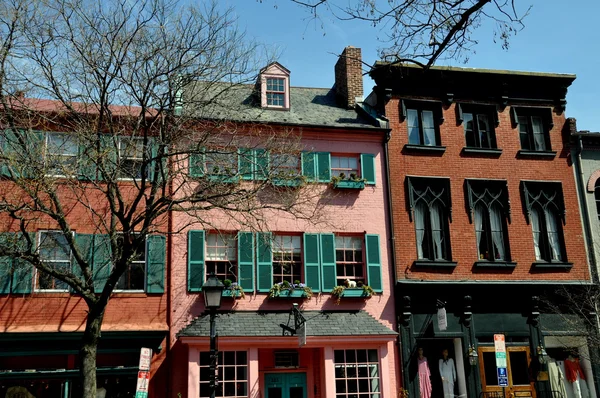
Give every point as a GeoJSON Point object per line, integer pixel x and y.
{"type": "Point", "coordinates": [500, 349]}
{"type": "Point", "coordinates": [141, 390]}
{"type": "Point", "coordinates": [442, 319]}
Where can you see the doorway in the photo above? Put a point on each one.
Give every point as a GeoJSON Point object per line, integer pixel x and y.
{"type": "Point", "coordinates": [285, 385]}
{"type": "Point", "coordinates": [518, 361]}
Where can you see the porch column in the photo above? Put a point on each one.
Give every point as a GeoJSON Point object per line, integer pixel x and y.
{"type": "Point", "coordinates": [329, 373]}
{"type": "Point", "coordinates": [253, 374]}
{"type": "Point", "coordinates": [193, 372]}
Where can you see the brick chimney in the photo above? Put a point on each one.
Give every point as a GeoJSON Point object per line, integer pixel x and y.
{"type": "Point", "coordinates": [348, 77]}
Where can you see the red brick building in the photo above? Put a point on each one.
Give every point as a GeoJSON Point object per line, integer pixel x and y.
{"type": "Point", "coordinates": [485, 220]}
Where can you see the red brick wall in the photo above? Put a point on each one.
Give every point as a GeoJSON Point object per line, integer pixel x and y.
{"type": "Point", "coordinates": [462, 233]}
{"type": "Point", "coordinates": [348, 76]}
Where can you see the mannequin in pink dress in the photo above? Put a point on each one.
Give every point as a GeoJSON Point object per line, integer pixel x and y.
{"type": "Point", "coordinates": [424, 375]}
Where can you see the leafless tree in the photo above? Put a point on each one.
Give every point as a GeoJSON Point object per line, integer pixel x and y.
{"type": "Point", "coordinates": [424, 31]}
{"type": "Point", "coordinates": [96, 135]}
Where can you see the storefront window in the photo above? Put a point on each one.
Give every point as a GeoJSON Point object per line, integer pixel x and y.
{"type": "Point", "coordinates": [356, 374]}
{"type": "Point", "coordinates": [232, 374]}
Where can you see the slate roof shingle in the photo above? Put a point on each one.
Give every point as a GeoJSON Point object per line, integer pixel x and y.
{"type": "Point", "coordinates": [240, 103]}
{"type": "Point", "coordinates": [319, 323]}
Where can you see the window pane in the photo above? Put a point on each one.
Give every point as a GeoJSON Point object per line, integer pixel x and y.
{"type": "Point", "coordinates": [538, 133]}
{"type": "Point", "coordinates": [428, 128]}
{"type": "Point", "coordinates": [413, 126]}
{"type": "Point", "coordinates": [485, 135]}
{"type": "Point", "coordinates": [54, 247]}
{"type": "Point", "coordinates": [519, 369]}
{"type": "Point", "coordinates": [469, 130]}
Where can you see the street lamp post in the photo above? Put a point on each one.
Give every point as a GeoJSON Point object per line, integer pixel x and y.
{"type": "Point", "coordinates": [213, 288]}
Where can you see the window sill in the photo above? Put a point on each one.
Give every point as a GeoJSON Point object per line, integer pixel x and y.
{"type": "Point", "coordinates": [291, 293]}
{"type": "Point", "coordinates": [551, 265]}
{"type": "Point", "coordinates": [229, 293]}
{"type": "Point", "coordinates": [495, 264]}
{"type": "Point", "coordinates": [434, 264]}
{"type": "Point", "coordinates": [490, 152]}
{"type": "Point", "coordinates": [223, 179]}
{"type": "Point", "coordinates": [423, 148]}
{"type": "Point", "coordinates": [536, 154]}
{"type": "Point", "coordinates": [290, 182]}
{"type": "Point", "coordinates": [349, 184]}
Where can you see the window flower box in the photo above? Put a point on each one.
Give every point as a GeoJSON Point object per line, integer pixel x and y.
{"type": "Point", "coordinates": [352, 182]}
{"type": "Point", "coordinates": [288, 182]}
{"type": "Point", "coordinates": [232, 290]}
{"type": "Point", "coordinates": [363, 292]}
{"type": "Point", "coordinates": [349, 184]}
{"type": "Point", "coordinates": [290, 290]}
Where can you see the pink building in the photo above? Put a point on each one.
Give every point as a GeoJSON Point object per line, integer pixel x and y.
{"type": "Point", "coordinates": [349, 350]}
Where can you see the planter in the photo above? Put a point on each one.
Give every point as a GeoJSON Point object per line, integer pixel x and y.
{"type": "Point", "coordinates": [349, 184]}
{"type": "Point", "coordinates": [289, 293]}
{"type": "Point", "coordinates": [231, 293]}
{"type": "Point", "coordinates": [223, 179]}
{"type": "Point", "coordinates": [355, 293]}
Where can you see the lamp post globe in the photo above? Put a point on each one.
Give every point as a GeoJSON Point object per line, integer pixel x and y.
{"type": "Point", "coordinates": [212, 288]}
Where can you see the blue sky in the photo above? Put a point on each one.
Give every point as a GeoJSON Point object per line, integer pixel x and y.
{"type": "Point", "coordinates": [559, 36]}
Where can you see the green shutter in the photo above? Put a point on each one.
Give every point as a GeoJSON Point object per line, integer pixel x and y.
{"type": "Point", "coordinates": [308, 166]}
{"type": "Point", "coordinates": [102, 261]}
{"type": "Point", "coordinates": [195, 260]}
{"type": "Point", "coordinates": [328, 268]}
{"type": "Point", "coordinates": [108, 156]}
{"type": "Point", "coordinates": [85, 247]}
{"type": "Point", "coordinates": [373, 262]}
{"type": "Point", "coordinates": [196, 164]}
{"type": "Point", "coordinates": [312, 266]}
{"type": "Point", "coordinates": [156, 259]}
{"type": "Point", "coordinates": [8, 150]}
{"type": "Point", "coordinates": [323, 167]}
{"type": "Point", "coordinates": [22, 281]}
{"type": "Point", "coordinates": [246, 260]}
{"type": "Point", "coordinates": [245, 163]}
{"type": "Point", "coordinates": [22, 277]}
{"type": "Point", "coordinates": [264, 274]}
{"type": "Point", "coordinates": [5, 274]}
{"type": "Point", "coordinates": [261, 164]}
{"type": "Point", "coordinates": [87, 158]}
{"type": "Point", "coordinates": [367, 167]}
{"type": "Point", "coordinates": [35, 153]}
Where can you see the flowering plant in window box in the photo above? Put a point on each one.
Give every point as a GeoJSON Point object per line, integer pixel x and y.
{"type": "Point", "coordinates": [352, 182]}
{"type": "Point", "coordinates": [290, 181]}
{"type": "Point", "coordinates": [232, 289]}
{"type": "Point", "coordinates": [361, 291]}
{"type": "Point", "coordinates": [292, 290]}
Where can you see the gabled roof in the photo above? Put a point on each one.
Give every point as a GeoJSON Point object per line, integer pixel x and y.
{"type": "Point", "coordinates": [319, 323]}
{"type": "Point", "coordinates": [240, 103]}
{"type": "Point", "coordinates": [275, 65]}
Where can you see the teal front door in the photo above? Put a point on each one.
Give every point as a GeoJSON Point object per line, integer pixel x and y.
{"type": "Point", "coordinates": [285, 385]}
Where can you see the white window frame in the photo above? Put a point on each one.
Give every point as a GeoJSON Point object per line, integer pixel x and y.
{"type": "Point", "coordinates": [230, 239]}
{"type": "Point", "coordinates": [355, 239]}
{"type": "Point", "coordinates": [48, 154]}
{"type": "Point", "coordinates": [290, 249]}
{"type": "Point", "coordinates": [357, 365]}
{"type": "Point", "coordinates": [38, 272]}
{"type": "Point", "coordinates": [272, 91]}
{"type": "Point", "coordinates": [335, 171]}
{"type": "Point", "coordinates": [286, 168]}
{"type": "Point", "coordinates": [221, 373]}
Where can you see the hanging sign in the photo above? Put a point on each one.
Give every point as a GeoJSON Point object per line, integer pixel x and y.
{"type": "Point", "coordinates": [442, 319]}
{"type": "Point", "coordinates": [500, 349]}
{"type": "Point", "coordinates": [145, 358]}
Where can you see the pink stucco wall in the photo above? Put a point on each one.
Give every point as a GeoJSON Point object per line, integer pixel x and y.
{"type": "Point", "coordinates": [342, 212]}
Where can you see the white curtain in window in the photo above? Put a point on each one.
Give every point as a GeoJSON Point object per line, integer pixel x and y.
{"type": "Point", "coordinates": [538, 133]}
{"type": "Point", "coordinates": [479, 214]}
{"type": "Point", "coordinates": [497, 236]}
{"type": "Point", "coordinates": [428, 128]}
{"type": "Point", "coordinates": [552, 226]}
{"type": "Point", "coordinates": [420, 211]}
{"type": "Point", "coordinates": [413, 126]}
{"type": "Point", "coordinates": [536, 227]}
{"type": "Point", "coordinates": [436, 230]}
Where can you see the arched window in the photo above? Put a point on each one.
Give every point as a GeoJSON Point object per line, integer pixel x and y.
{"type": "Point", "coordinates": [544, 202]}
{"type": "Point", "coordinates": [489, 205]}
{"type": "Point", "coordinates": [429, 197]}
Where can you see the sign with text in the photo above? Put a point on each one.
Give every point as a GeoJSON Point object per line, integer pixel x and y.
{"type": "Point", "coordinates": [302, 335]}
{"type": "Point", "coordinates": [141, 390]}
{"type": "Point", "coordinates": [442, 319]}
{"type": "Point", "coordinates": [500, 349]}
{"type": "Point", "coordinates": [145, 358]}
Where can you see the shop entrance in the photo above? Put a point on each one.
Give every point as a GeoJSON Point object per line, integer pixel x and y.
{"type": "Point", "coordinates": [285, 385]}
{"type": "Point", "coordinates": [518, 360]}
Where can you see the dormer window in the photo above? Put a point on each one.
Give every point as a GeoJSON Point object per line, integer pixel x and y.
{"type": "Point", "coordinates": [275, 87]}
{"type": "Point", "coordinates": [275, 92]}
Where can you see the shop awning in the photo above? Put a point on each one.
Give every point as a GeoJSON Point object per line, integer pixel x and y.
{"type": "Point", "coordinates": [266, 324]}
